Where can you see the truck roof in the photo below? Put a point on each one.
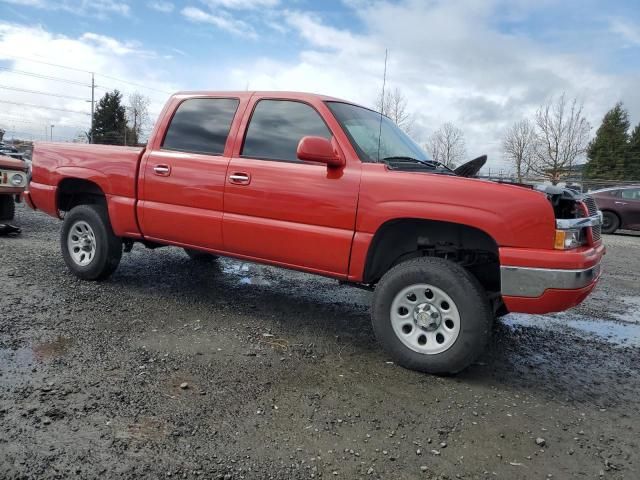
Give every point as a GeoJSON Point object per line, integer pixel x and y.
{"type": "Point", "coordinates": [260, 93]}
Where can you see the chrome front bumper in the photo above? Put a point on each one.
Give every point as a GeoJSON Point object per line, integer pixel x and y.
{"type": "Point", "coordinates": [532, 282]}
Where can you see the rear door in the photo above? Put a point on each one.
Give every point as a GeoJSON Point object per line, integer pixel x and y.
{"type": "Point", "coordinates": [280, 209]}
{"type": "Point", "coordinates": [183, 177]}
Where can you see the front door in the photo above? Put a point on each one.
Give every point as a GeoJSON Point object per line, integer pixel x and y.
{"type": "Point", "coordinates": [629, 207]}
{"type": "Point", "coordinates": [280, 209]}
{"type": "Point", "coordinates": [182, 181]}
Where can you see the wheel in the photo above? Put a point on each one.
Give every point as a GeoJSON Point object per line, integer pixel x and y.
{"type": "Point", "coordinates": [431, 315]}
{"type": "Point", "coordinates": [610, 222]}
{"type": "Point", "coordinates": [89, 247]}
{"type": "Point", "coordinates": [7, 207]}
{"type": "Point", "coordinates": [200, 256]}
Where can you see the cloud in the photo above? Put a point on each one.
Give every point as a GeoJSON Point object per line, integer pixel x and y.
{"type": "Point", "coordinates": [452, 60]}
{"type": "Point", "coordinates": [627, 30]}
{"type": "Point", "coordinates": [79, 7]}
{"type": "Point", "coordinates": [241, 4]}
{"type": "Point", "coordinates": [223, 21]}
{"type": "Point", "coordinates": [109, 44]}
{"type": "Point", "coordinates": [161, 6]}
{"type": "Point", "coordinates": [29, 55]}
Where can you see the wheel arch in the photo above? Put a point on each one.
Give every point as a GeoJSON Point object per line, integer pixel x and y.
{"type": "Point", "coordinates": [403, 238]}
{"type": "Point", "coordinates": [73, 191]}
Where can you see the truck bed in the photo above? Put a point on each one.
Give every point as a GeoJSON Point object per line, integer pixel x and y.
{"type": "Point", "coordinates": [113, 168]}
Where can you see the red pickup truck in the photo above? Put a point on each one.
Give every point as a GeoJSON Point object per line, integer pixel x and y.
{"type": "Point", "coordinates": [322, 185]}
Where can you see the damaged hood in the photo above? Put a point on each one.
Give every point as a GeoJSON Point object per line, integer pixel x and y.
{"type": "Point", "coordinates": [471, 168]}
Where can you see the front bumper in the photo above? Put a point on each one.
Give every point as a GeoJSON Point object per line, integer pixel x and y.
{"type": "Point", "coordinates": [532, 282]}
{"type": "Point", "coordinates": [543, 281]}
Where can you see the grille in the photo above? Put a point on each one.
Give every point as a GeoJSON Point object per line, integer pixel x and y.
{"type": "Point", "coordinates": [592, 208]}
{"type": "Point", "coordinates": [591, 205]}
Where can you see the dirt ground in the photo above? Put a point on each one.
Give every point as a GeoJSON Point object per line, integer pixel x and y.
{"type": "Point", "coordinates": [284, 378]}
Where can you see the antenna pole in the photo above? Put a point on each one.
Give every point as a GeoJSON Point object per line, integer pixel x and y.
{"type": "Point", "coordinates": [384, 82]}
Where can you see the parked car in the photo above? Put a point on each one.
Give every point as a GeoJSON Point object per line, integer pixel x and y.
{"type": "Point", "coordinates": [322, 185]}
{"type": "Point", "coordinates": [620, 208]}
{"type": "Point", "coordinates": [13, 180]}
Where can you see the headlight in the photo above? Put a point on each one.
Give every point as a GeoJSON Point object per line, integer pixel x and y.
{"type": "Point", "coordinates": [571, 238]}
{"type": "Point", "coordinates": [17, 179]}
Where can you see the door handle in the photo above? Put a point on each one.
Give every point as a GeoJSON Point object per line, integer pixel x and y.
{"type": "Point", "coordinates": [240, 178]}
{"type": "Point", "coordinates": [620, 203]}
{"type": "Point", "coordinates": [162, 170]}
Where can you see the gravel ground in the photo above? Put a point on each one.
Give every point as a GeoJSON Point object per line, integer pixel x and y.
{"type": "Point", "coordinates": [231, 370]}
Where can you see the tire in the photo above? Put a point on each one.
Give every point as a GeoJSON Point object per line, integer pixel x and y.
{"type": "Point", "coordinates": [199, 256]}
{"type": "Point", "coordinates": [87, 231]}
{"type": "Point", "coordinates": [464, 323]}
{"type": "Point", "coordinates": [610, 222]}
{"type": "Point", "coordinates": [7, 207]}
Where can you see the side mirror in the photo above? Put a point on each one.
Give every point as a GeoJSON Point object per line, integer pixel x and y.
{"type": "Point", "coordinates": [319, 149]}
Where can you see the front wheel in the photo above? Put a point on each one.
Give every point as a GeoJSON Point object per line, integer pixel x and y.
{"type": "Point", "coordinates": [89, 247]}
{"type": "Point", "coordinates": [431, 315]}
{"type": "Point", "coordinates": [610, 222]}
{"type": "Point", "coordinates": [7, 207]}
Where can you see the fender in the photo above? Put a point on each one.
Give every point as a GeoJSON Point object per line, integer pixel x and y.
{"type": "Point", "coordinates": [83, 173]}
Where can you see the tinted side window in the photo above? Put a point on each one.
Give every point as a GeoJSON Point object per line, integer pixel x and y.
{"type": "Point", "coordinates": [277, 126]}
{"type": "Point", "coordinates": [201, 125]}
{"type": "Point", "coordinates": [631, 194]}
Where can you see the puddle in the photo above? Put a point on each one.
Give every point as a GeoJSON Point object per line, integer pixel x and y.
{"type": "Point", "coordinates": [249, 274]}
{"type": "Point", "coordinates": [617, 333]}
{"type": "Point", "coordinates": [53, 349]}
{"type": "Point", "coordinates": [632, 315]}
{"type": "Point", "coordinates": [147, 428]}
{"type": "Point", "coordinates": [16, 364]}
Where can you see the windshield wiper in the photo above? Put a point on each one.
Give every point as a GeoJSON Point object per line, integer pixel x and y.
{"type": "Point", "coordinates": [430, 163]}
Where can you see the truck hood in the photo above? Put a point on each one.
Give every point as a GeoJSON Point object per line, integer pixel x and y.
{"type": "Point", "coordinates": [12, 164]}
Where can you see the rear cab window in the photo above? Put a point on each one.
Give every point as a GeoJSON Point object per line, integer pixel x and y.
{"type": "Point", "coordinates": [201, 125]}
{"type": "Point", "coordinates": [276, 127]}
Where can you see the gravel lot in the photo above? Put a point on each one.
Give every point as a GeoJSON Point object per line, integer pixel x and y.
{"type": "Point", "coordinates": [232, 370]}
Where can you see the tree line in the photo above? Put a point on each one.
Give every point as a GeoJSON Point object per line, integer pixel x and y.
{"type": "Point", "coordinates": [549, 145]}
{"type": "Point", "coordinates": [118, 124]}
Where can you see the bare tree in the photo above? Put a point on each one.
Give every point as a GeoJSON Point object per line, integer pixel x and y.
{"type": "Point", "coordinates": [447, 145]}
{"type": "Point", "coordinates": [138, 114]}
{"type": "Point", "coordinates": [394, 106]}
{"type": "Point", "coordinates": [518, 146]}
{"type": "Point", "coordinates": [561, 137]}
{"type": "Point", "coordinates": [2, 132]}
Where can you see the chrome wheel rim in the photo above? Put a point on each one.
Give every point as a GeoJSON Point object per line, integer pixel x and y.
{"type": "Point", "coordinates": [425, 319]}
{"type": "Point", "coordinates": [81, 243]}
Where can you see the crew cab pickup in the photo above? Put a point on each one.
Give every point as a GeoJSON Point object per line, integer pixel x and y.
{"type": "Point", "coordinates": [322, 185]}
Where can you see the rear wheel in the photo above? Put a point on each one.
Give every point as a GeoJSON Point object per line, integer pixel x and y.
{"type": "Point", "coordinates": [610, 222]}
{"type": "Point", "coordinates": [431, 315]}
{"type": "Point", "coordinates": [7, 207]}
{"type": "Point", "coordinates": [199, 256]}
{"type": "Point", "coordinates": [89, 247]}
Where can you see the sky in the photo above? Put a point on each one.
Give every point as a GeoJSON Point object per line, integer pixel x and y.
{"type": "Point", "coordinates": [480, 64]}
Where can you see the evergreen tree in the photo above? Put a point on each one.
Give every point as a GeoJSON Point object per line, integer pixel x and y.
{"type": "Point", "coordinates": [633, 158]}
{"type": "Point", "coordinates": [607, 152]}
{"type": "Point", "coordinates": [109, 120]}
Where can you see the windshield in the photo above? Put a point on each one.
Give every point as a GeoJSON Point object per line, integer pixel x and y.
{"type": "Point", "coordinates": [372, 142]}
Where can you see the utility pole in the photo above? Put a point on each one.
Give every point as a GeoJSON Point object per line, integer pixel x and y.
{"type": "Point", "coordinates": [93, 89]}
{"type": "Point", "coordinates": [52, 132]}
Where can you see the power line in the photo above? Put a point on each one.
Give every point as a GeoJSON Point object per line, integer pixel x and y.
{"type": "Point", "coordinates": [45, 63]}
{"type": "Point", "coordinates": [85, 71]}
{"type": "Point", "coordinates": [45, 77]}
{"type": "Point", "coordinates": [134, 84]}
{"type": "Point", "coordinates": [9, 120]}
{"type": "Point", "coordinates": [42, 93]}
{"type": "Point", "coordinates": [41, 106]}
